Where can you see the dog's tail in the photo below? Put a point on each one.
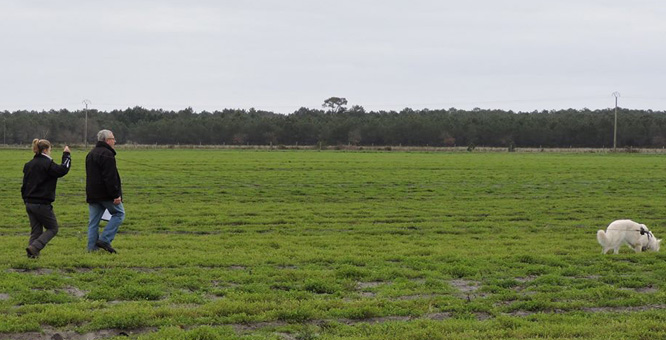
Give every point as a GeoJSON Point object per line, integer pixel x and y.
{"type": "Point", "coordinates": [601, 237]}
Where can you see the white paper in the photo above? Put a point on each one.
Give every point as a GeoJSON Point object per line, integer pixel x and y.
{"type": "Point", "coordinates": [106, 216]}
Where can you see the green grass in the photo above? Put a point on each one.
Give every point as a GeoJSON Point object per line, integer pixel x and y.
{"type": "Point", "coordinates": [223, 244]}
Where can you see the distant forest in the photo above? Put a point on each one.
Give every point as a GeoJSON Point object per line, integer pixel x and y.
{"type": "Point", "coordinates": [342, 126]}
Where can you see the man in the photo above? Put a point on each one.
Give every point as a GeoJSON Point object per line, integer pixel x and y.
{"type": "Point", "coordinates": [103, 192]}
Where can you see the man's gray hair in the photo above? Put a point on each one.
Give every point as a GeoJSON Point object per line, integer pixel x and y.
{"type": "Point", "coordinates": [103, 135]}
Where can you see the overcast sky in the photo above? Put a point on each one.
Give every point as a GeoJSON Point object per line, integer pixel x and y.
{"type": "Point", "coordinates": [520, 55]}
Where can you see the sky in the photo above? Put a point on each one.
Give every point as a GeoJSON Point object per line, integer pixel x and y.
{"type": "Point", "coordinates": [520, 55]}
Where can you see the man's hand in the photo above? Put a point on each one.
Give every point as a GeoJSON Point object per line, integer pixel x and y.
{"type": "Point", "coordinates": [118, 200]}
{"type": "Point", "coordinates": [66, 149]}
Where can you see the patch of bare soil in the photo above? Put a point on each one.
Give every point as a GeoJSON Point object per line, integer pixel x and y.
{"type": "Point", "coordinates": [438, 316]}
{"type": "Point", "coordinates": [213, 297]}
{"type": "Point", "coordinates": [522, 313]}
{"type": "Point", "coordinates": [77, 270]}
{"type": "Point", "coordinates": [523, 292]}
{"type": "Point", "coordinates": [374, 320]}
{"type": "Point", "coordinates": [623, 309]}
{"type": "Point", "coordinates": [38, 271]}
{"type": "Point", "coordinates": [592, 277]}
{"type": "Point", "coordinates": [47, 271]}
{"type": "Point", "coordinates": [529, 278]}
{"type": "Point", "coordinates": [465, 286]}
{"type": "Point", "coordinates": [74, 291]}
{"type": "Point", "coordinates": [644, 290]}
{"type": "Point", "coordinates": [49, 333]}
{"type": "Point", "coordinates": [249, 327]}
{"type": "Point", "coordinates": [287, 267]}
{"type": "Point", "coordinates": [371, 284]}
{"type": "Point", "coordinates": [483, 316]}
{"type": "Point", "coordinates": [286, 336]}
{"type": "Point", "coordinates": [468, 288]}
{"type": "Point", "coordinates": [144, 269]}
{"type": "Point", "coordinates": [419, 281]}
{"type": "Point", "coordinates": [417, 297]}
{"type": "Point", "coordinates": [224, 284]}
{"type": "Point", "coordinates": [52, 334]}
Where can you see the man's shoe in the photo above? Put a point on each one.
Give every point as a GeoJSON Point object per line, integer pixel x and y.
{"type": "Point", "coordinates": [32, 252]}
{"type": "Point", "coordinates": [106, 246]}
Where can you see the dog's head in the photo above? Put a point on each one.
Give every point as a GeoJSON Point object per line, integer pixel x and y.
{"type": "Point", "coordinates": [654, 244]}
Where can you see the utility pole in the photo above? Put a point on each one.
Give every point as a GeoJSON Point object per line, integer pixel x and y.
{"type": "Point", "coordinates": [4, 130]}
{"type": "Point", "coordinates": [616, 95]}
{"type": "Point", "coordinates": [85, 131]}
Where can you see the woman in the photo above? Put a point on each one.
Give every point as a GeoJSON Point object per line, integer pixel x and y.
{"type": "Point", "coordinates": [40, 177]}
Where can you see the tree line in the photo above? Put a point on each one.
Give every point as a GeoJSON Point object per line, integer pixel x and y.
{"type": "Point", "coordinates": [343, 126]}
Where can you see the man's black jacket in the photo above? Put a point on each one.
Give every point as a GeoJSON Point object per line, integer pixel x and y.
{"type": "Point", "coordinates": [40, 177]}
{"type": "Point", "coordinates": [102, 178]}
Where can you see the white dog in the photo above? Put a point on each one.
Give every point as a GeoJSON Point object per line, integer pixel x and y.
{"type": "Point", "coordinates": [635, 235]}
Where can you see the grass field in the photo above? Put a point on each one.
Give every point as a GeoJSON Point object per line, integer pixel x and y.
{"type": "Point", "coordinates": [224, 244]}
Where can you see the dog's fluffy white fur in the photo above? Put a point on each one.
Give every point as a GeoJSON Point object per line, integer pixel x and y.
{"type": "Point", "coordinates": [635, 235]}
